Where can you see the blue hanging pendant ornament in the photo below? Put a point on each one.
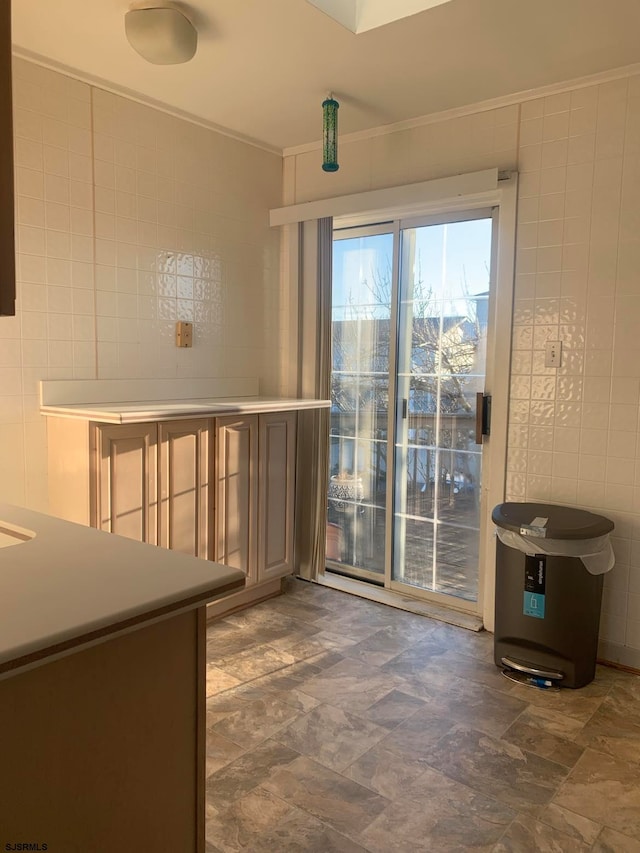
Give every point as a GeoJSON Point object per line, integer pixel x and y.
{"type": "Point", "coordinates": [330, 134]}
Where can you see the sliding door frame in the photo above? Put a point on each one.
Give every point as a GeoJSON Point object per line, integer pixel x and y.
{"type": "Point", "coordinates": [442, 196]}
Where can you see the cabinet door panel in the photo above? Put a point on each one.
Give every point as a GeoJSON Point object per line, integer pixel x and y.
{"type": "Point", "coordinates": [236, 504]}
{"type": "Point", "coordinates": [125, 479]}
{"type": "Point", "coordinates": [184, 486]}
{"type": "Point", "coordinates": [277, 483]}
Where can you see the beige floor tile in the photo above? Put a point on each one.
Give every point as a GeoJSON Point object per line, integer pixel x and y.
{"type": "Point", "coordinates": [400, 734]}
{"type": "Point", "coordinates": [570, 823]}
{"type": "Point", "coordinates": [436, 813]}
{"type": "Point", "coordinates": [345, 805]}
{"type": "Point", "coordinates": [526, 835]}
{"type": "Point", "coordinates": [331, 736]}
{"type": "Point", "coordinates": [604, 789]}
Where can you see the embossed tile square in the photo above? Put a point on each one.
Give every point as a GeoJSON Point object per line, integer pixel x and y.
{"type": "Point", "coordinates": [604, 789]}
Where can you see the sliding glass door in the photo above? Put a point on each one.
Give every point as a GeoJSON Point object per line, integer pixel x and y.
{"type": "Point", "coordinates": [410, 325]}
{"type": "Point", "coordinates": [359, 432]}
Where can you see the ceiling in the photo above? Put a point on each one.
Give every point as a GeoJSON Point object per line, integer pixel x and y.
{"type": "Point", "coordinates": [263, 67]}
{"type": "Point", "coordinates": [362, 15]}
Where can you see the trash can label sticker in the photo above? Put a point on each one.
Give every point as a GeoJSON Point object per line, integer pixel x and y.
{"type": "Point", "coordinates": [534, 586]}
{"type": "Point", "coordinates": [538, 527]}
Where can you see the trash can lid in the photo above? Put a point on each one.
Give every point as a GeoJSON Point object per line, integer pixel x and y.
{"type": "Point", "coordinates": [551, 521]}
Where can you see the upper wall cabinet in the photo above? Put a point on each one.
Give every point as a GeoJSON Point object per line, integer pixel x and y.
{"type": "Point", "coordinates": [7, 241]}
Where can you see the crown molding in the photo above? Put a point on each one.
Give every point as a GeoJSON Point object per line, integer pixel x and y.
{"type": "Point", "coordinates": [132, 95]}
{"type": "Point", "coordinates": [357, 136]}
{"type": "Point", "coordinates": [479, 107]}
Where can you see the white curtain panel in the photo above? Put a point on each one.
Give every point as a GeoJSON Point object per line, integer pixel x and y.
{"type": "Point", "coordinates": [314, 295]}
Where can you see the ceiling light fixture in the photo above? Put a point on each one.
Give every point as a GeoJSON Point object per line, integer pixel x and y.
{"type": "Point", "coordinates": [161, 34]}
{"type": "Point", "coordinates": [330, 134]}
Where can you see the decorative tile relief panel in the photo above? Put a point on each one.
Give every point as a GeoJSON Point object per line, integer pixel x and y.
{"type": "Point", "coordinates": [127, 220]}
{"type": "Point", "coordinates": [182, 234]}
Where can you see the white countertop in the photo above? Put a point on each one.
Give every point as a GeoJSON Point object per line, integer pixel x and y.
{"type": "Point", "coordinates": [71, 586]}
{"type": "Point", "coordinates": [156, 410]}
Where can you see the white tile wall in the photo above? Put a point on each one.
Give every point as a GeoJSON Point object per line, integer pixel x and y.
{"type": "Point", "coordinates": [436, 150]}
{"type": "Point", "coordinates": [577, 280]}
{"type": "Point", "coordinates": [127, 220]}
{"type": "Point", "coordinates": [573, 432]}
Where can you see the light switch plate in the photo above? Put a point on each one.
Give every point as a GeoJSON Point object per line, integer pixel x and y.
{"type": "Point", "coordinates": [553, 354]}
{"type": "Point", "coordinates": [184, 334]}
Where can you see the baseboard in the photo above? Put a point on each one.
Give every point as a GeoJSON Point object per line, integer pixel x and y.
{"type": "Point", "coordinates": [245, 598]}
{"type": "Point", "coordinates": [615, 654]}
{"type": "Point", "coordinates": [401, 602]}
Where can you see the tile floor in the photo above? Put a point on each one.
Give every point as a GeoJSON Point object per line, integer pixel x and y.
{"type": "Point", "coordinates": [337, 724]}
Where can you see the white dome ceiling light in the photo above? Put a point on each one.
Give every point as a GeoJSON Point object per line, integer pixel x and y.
{"type": "Point", "coordinates": [162, 35]}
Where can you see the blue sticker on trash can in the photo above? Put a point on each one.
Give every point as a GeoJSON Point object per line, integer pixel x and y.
{"type": "Point", "coordinates": [534, 586]}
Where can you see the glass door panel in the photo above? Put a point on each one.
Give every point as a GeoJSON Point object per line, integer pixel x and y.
{"type": "Point", "coordinates": [361, 339]}
{"type": "Point", "coordinates": [442, 335]}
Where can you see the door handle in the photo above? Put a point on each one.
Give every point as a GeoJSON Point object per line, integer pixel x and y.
{"type": "Point", "coordinates": [483, 415]}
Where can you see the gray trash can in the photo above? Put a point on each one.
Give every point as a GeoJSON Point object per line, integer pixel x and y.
{"type": "Point", "coordinates": [550, 566]}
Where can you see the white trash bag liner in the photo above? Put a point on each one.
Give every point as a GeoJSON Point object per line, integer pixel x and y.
{"type": "Point", "coordinates": [596, 554]}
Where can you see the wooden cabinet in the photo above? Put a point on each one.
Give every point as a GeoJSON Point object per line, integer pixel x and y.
{"type": "Point", "coordinates": [218, 488]}
{"type": "Point", "coordinates": [124, 481]}
{"type": "Point", "coordinates": [237, 493]}
{"type": "Point", "coordinates": [276, 487]}
{"type": "Point", "coordinates": [7, 240]}
{"type": "Point", "coordinates": [255, 482]}
{"type": "Point", "coordinates": [185, 487]}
